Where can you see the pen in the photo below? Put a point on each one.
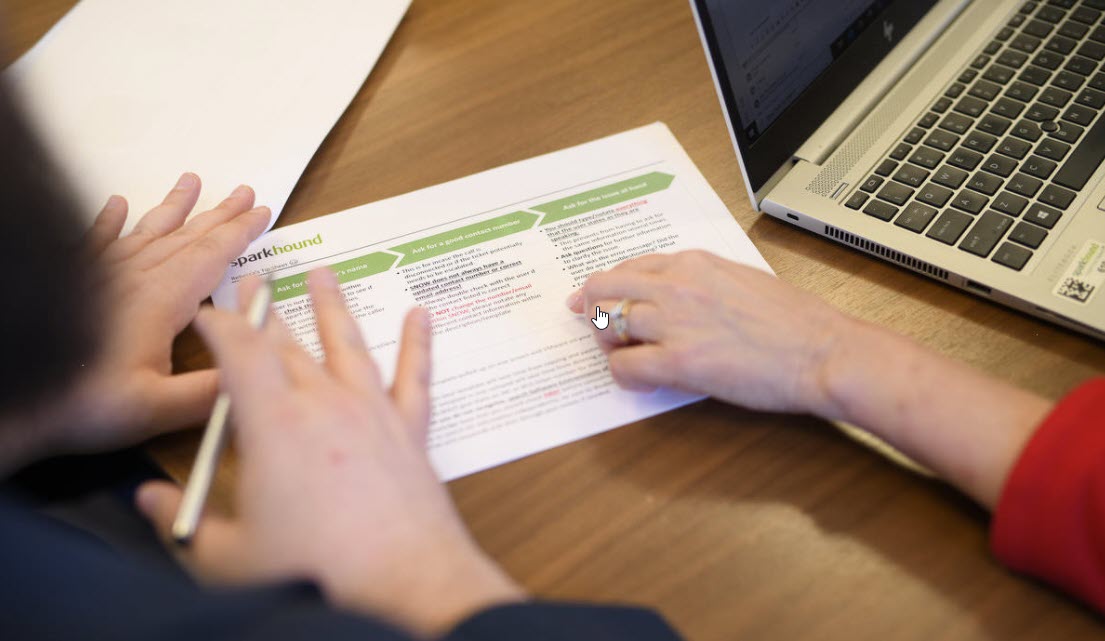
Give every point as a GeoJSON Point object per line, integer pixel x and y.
{"type": "Point", "coordinates": [214, 438]}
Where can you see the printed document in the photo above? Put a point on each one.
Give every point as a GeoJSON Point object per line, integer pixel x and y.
{"type": "Point", "coordinates": [129, 94]}
{"type": "Point", "coordinates": [493, 257]}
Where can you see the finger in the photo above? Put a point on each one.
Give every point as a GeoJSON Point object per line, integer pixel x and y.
{"type": "Point", "coordinates": [411, 389]}
{"type": "Point", "coordinates": [614, 285]}
{"type": "Point", "coordinates": [183, 400]}
{"type": "Point", "coordinates": [302, 370]}
{"type": "Point", "coordinates": [642, 368]}
{"type": "Point", "coordinates": [238, 202]}
{"type": "Point", "coordinates": [251, 370]}
{"type": "Point", "coordinates": [649, 263]}
{"type": "Point", "coordinates": [347, 358]}
{"type": "Point", "coordinates": [643, 320]}
{"type": "Point", "coordinates": [160, 220]}
{"type": "Point", "coordinates": [212, 552]}
{"type": "Point", "coordinates": [107, 226]}
{"type": "Point", "coordinates": [193, 273]}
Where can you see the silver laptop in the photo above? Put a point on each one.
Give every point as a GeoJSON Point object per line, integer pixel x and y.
{"type": "Point", "coordinates": [961, 139]}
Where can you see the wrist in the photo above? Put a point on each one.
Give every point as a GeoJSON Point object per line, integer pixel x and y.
{"type": "Point", "coordinates": [830, 385]}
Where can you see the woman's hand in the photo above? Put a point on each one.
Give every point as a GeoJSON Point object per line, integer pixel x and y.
{"type": "Point", "coordinates": [334, 482]}
{"type": "Point", "coordinates": [154, 280]}
{"type": "Point", "coordinates": [706, 325]}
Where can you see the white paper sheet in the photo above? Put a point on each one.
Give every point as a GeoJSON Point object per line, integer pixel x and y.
{"type": "Point", "coordinates": [129, 94]}
{"type": "Point", "coordinates": [493, 257]}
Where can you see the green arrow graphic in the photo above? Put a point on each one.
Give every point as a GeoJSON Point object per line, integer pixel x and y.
{"type": "Point", "coordinates": [613, 194]}
{"type": "Point", "coordinates": [466, 236]}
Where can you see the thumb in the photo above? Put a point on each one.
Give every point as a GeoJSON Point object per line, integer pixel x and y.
{"type": "Point", "coordinates": [210, 555]}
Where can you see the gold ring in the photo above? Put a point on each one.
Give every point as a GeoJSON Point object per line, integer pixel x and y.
{"type": "Point", "coordinates": [619, 318]}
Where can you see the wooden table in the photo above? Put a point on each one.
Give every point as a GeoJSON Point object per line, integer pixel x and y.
{"type": "Point", "coordinates": [735, 525]}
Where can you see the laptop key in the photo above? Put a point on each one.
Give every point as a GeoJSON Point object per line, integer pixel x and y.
{"type": "Point", "coordinates": [1025, 185]}
{"type": "Point", "coordinates": [1055, 97]}
{"type": "Point", "coordinates": [1009, 203]}
{"type": "Point", "coordinates": [986, 233]}
{"type": "Point", "coordinates": [1028, 235]}
{"type": "Point", "coordinates": [1080, 65]}
{"type": "Point", "coordinates": [955, 90]}
{"type": "Point", "coordinates": [1051, 14]}
{"type": "Point", "coordinates": [1013, 58]}
{"type": "Point", "coordinates": [915, 135]}
{"type": "Point", "coordinates": [969, 201]}
{"type": "Point", "coordinates": [980, 142]}
{"type": "Point", "coordinates": [1004, 34]}
{"type": "Point", "coordinates": [949, 176]}
{"type": "Point", "coordinates": [1079, 115]}
{"type": "Point", "coordinates": [1038, 167]}
{"type": "Point", "coordinates": [928, 120]}
{"type": "Point", "coordinates": [971, 106]}
{"type": "Point", "coordinates": [995, 125]}
{"type": "Point", "coordinates": [942, 105]}
{"type": "Point", "coordinates": [1098, 34]}
{"type": "Point", "coordinates": [1014, 148]}
{"type": "Point", "coordinates": [1038, 28]}
{"type": "Point", "coordinates": [895, 193]}
{"type": "Point", "coordinates": [934, 195]}
{"type": "Point", "coordinates": [1040, 112]}
{"type": "Point", "coordinates": [1012, 256]}
{"type": "Point", "coordinates": [1025, 43]}
{"type": "Point", "coordinates": [1069, 81]}
{"type": "Point", "coordinates": [926, 157]}
{"type": "Point", "coordinates": [1028, 7]}
{"type": "Point", "coordinates": [911, 175]}
{"type": "Point", "coordinates": [980, 61]}
{"type": "Point", "coordinates": [916, 217]}
{"type": "Point", "coordinates": [1091, 98]}
{"type": "Point", "coordinates": [988, 184]}
{"type": "Point", "coordinates": [1053, 149]}
{"type": "Point", "coordinates": [857, 200]}
{"type": "Point", "coordinates": [949, 227]}
{"type": "Point", "coordinates": [1047, 60]}
{"type": "Point", "coordinates": [1085, 15]}
{"type": "Point", "coordinates": [1073, 30]}
{"type": "Point", "coordinates": [985, 90]}
{"type": "Point", "coordinates": [1021, 91]}
{"type": "Point", "coordinates": [1098, 81]}
{"type": "Point", "coordinates": [999, 73]}
{"type": "Point", "coordinates": [1042, 215]}
{"type": "Point", "coordinates": [1061, 45]}
{"type": "Point", "coordinates": [871, 184]}
{"type": "Point", "coordinates": [956, 123]}
{"type": "Point", "coordinates": [1008, 109]}
{"type": "Point", "coordinates": [942, 140]}
{"type": "Point", "coordinates": [1093, 50]}
{"type": "Point", "coordinates": [1026, 130]}
{"type": "Point", "coordinates": [1057, 197]}
{"type": "Point", "coordinates": [992, 47]}
{"type": "Point", "coordinates": [999, 165]}
{"type": "Point", "coordinates": [965, 158]}
{"type": "Point", "coordinates": [901, 151]}
{"type": "Point", "coordinates": [886, 167]}
{"type": "Point", "coordinates": [1067, 132]}
{"type": "Point", "coordinates": [1035, 75]}
{"type": "Point", "coordinates": [967, 76]}
{"type": "Point", "coordinates": [880, 210]}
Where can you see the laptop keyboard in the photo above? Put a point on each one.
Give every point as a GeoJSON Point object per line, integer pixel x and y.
{"type": "Point", "coordinates": [998, 159]}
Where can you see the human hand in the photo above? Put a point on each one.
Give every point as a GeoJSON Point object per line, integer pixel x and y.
{"type": "Point", "coordinates": [706, 325]}
{"type": "Point", "coordinates": [152, 283]}
{"type": "Point", "coordinates": [334, 481]}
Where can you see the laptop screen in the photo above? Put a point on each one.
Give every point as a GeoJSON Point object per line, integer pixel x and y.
{"type": "Point", "coordinates": [784, 66]}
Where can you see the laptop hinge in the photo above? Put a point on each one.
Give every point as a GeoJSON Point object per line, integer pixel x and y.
{"type": "Point", "coordinates": [836, 128]}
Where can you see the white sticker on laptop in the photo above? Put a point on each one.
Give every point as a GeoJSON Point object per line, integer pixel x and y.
{"type": "Point", "coordinates": [1085, 275]}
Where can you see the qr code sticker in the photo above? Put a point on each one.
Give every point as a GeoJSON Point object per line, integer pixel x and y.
{"type": "Point", "coordinates": [1076, 289]}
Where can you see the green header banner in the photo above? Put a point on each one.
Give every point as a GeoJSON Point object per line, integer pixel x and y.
{"type": "Point", "coordinates": [606, 196]}
{"type": "Point", "coordinates": [360, 267]}
{"type": "Point", "coordinates": [466, 236]}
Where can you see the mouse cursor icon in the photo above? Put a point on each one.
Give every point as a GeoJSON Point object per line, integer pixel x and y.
{"type": "Point", "coordinates": [601, 319]}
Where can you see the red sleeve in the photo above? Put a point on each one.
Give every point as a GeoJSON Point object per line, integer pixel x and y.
{"type": "Point", "coordinates": [1050, 520]}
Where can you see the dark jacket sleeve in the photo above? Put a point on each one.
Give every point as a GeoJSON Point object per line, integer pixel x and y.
{"type": "Point", "coordinates": [58, 585]}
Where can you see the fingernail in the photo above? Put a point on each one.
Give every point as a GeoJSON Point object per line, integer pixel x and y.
{"type": "Point", "coordinates": [113, 202]}
{"type": "Point", "coordinates": [186, 181]}
{"type": "Point", "coordinates": [574, 299]}
{"type": "Point", "coordinates": [325, 277]}
{"type": "Point", "coordinates": [262, 209]}
{"type": "Point", "coordinates": [240, 191]}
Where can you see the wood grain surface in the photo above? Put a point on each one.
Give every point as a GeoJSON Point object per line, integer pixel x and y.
{"type": "Point", "coordinates": [735, 525]}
